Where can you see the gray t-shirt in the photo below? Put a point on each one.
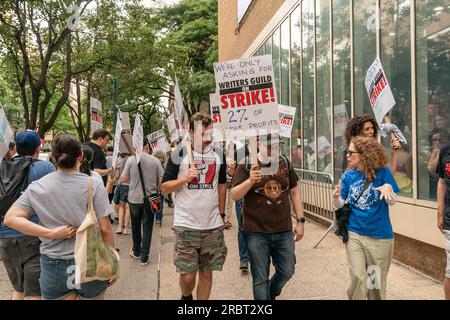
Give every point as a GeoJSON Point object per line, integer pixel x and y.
{"type": "Point", "coordinates": [61, 199]}
{"type": "Point", "coordinates": [151, 169]}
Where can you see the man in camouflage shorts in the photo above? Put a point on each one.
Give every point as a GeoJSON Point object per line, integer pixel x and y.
{"type": "Point", "coordinates": [200, 192]}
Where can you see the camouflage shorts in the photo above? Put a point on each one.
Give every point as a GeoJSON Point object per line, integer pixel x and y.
{"type": "Point", "coordinates": [199, 250]}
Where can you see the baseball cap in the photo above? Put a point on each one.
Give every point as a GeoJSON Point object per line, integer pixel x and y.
{"type": "Point", "coordinates": [27, 141]}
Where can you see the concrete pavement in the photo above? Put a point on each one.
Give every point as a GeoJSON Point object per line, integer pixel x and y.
{"type": "Point", "coordinates": [321, 273]}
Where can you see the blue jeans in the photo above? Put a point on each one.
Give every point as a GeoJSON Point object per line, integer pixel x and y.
{"type": "Point", "coordinates": [159, 214]}
{"type": "Point", "coordinates": [58, 281]}
{"type": "Point", "coordinates": [243, 251]}
{"type": "Point", "coordinates": [141, 229]}
{"type": "Point", "coordinates": [263, 246]}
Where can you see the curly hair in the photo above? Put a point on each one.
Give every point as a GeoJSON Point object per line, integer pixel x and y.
{"type": "Point", "coordinates": [356, 124]}
{"type": "Point", "coordinates": [373, 155]}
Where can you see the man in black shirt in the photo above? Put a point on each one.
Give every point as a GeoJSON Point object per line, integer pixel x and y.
{"type": "Point", "coordinates": [100, 139]}
{"type": "Point", "coordinates": [443, 198]}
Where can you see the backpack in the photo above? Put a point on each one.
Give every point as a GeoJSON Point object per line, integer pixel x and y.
{"type": "Point", "coordinates": [13, 182]}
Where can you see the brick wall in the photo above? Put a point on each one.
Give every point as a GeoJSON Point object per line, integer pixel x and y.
{"type": "Point", "coordinates": [234, 40]}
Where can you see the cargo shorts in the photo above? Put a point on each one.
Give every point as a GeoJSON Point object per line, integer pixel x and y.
{"type": "Point", "coordinates": [199, 250]}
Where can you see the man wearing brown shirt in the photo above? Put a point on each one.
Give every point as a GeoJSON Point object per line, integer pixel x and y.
{"type": "Point", "coordinates": [267, 189]}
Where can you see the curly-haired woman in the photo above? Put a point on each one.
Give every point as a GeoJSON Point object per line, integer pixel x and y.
{"type": "Point", "coordinates": [369, 188]}
{"type": "Point", "coordinates": [366, 126]}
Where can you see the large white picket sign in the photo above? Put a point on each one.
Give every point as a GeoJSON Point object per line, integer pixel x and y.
{"type": "Point", "coordinates": [379, 91]}
{"type": "Point", "coordinates": [247, 94]}
{"type": "Point", "coordinates": [138, 138]}
{"type": "Point", "coordinates": [218, 126]}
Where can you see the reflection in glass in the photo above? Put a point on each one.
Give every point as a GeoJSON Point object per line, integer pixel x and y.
{"type": "Point", "coordinates": [276, 59]}
{"type": "Point", "coordinates": [324, 152]}
{"type": "Point", "coordinates": [309, 156]}
{"type": "Point", "coordinates": [433, 89]}
{"type": "Point", "coordinates": [285, 62]}
{"type": "Point", "coordinates": [396, 60]}
{"type": "Point", "coordinates": [364, 42]}
{"type": "Point", "coordinates": [341, 79]}
{"type": "Point", "coordinates": [295, 87]}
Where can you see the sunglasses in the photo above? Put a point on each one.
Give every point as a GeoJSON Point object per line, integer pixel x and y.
{"type": "Point", "coordinates": [350, 152]}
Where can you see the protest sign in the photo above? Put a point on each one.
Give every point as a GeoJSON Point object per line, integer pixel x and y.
{"type": "Point", "coordinates": [6, 133]}
{"type": "Point", "coordinates": [218, 127]}
{"type": "Point", "coordinates": [287, 116]}
{"type": "Point", "coordinates": [171, 125]}
{"type": "Point", "coordinates": [379, 91]}
{"type": "Point", "coordinates": [323, 145]}
{"type": "Point", "coordinates": [138, 138]}
{"type": "Point", "coordinates": [340, 119]}
{"type": "Point", "coordinates": [154, 137]}
{"type": "Point", "coordinates": [246, 89]}
{"type": "Point", "coordinates": [96, 115]}
{"type": "Point", "coordinates": [117, 139]}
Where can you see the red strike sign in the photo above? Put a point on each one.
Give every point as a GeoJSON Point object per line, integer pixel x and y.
{"type": "Point", "coordinates": [379, 87]}
{"type": "Point", "coordinates": [286, 121]}
{"type": "Point", "coordinates": [243, 99]}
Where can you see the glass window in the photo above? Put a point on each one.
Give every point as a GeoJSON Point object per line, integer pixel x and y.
{"type": "Point", "coordinates": [341, 79]}
{"type": "Point", "coordinates": [396, 61]}
{"type": "Point", "coordinates": [364, 42]}
{"type": "Point", "coordinates": [324, 152]}
{"type": "Point", "coordinates": [285, 43]}
{"type": "Point", "coordinates": [433, 89]}
{"type": "Point", "coordinates": [276, 59]}
{"type": "Point", "coordinates": [295, 87]}
{"type": "Point", "coordinates": [309, 156]}
{"type": "Point", "coordinates": [269, 46]}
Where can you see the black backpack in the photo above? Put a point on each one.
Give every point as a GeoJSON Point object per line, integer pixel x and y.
{"type": "Point", "coordinates": [13, 182]}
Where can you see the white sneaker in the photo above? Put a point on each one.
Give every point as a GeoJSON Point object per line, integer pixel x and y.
{"type": "Point", "coordinates": [126, 231]}
{"type": "Point", "coordinates": [119, 231]}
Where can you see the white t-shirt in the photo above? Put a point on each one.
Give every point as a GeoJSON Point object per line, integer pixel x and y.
{"type": "Point", "coordinates": [197, 203]}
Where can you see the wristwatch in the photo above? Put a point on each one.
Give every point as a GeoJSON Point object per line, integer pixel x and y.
{"type": "Point", "coordinates": [301, 220]}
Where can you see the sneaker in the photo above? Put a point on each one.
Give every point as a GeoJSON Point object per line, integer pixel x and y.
{"type": "Point", "coordinates": [158, 222]}
{"type": "Point", "coordinates": [126, 231]}
{"type": "Point", "coordinates": [189, 297]}
{"type": "Point", "coordinates": [244, 265]}
{"type": "Point", "coordinates": [133, 255]}
{"type": "Point", "coordinates": [145, 261]}
{"type": "Point", "coordinates": [119, 231]}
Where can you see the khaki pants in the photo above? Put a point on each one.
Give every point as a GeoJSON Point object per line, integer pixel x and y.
{"type": "Point", "coordinates": [369, 260]}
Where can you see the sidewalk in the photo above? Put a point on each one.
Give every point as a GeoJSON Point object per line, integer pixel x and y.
{"type": "Point", "coordinates": [321, 273]}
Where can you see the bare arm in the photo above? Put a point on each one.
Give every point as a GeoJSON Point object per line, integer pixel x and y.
{"type": "Point", "coordinates": [297, 203]}
{"type": "Point", "coordinates": [238, 192]}
{"type": "Point", "coordinates": [124, 178]}
{"type": "Point", "coordinates": [222, 197]}
{"type": "Point", "coordinates": [176, 184]}
{"type": "Point", "coordinates": [103, 172]}
{"type": "Point", "coordinates": [106, 231]}
{"type": "Point", "coordinates": [17, 218]}
{"type": "Point", "coordinates": [441, 203]}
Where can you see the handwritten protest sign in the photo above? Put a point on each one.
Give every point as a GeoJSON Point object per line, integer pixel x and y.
{"type": "Point", "coordinates": [340, 119]}
{"type": "Point", "coordinates": [138, 138]}
{"type": "Point", "coordinates": [218, 127]}
{"type": "Point", "coordinates": [171, 125]}
{"type": "Point", "coordinates": [287, 116]}
{"type": "Point", "coordinates": [248, 103]}
{"type": "Point", "coordinates": [6, 133]}
{"type": "Point", "coordinates": [96, 115]}
{"type": "Point", "coordinates": [379, 91]}
{"type": "Point", "coordinates": [154, 137]}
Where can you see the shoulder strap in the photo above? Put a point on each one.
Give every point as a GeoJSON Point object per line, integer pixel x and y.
{"type": "Point", "coordinates": [90, 195]}
{"type": "Point", "coordinates": [141, 177]}
{"type": "Point", "coordinates": [287, 162]}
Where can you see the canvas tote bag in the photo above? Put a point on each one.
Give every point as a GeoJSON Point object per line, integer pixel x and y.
{"type": "Point", "coordinates": [94, 259]}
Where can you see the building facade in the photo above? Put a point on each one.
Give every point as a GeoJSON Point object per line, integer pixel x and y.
{"type": "Point", "coordinates": [321, 50]}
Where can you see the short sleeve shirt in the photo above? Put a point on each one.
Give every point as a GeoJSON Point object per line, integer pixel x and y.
{"type": "Point", "coordinates": [267, 207]}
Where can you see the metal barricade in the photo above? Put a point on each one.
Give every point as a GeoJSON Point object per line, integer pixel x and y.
{"type": "Point", "coordinates": [316, 188]}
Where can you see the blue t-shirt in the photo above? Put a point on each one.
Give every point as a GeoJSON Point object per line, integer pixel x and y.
{"type": "Point", "coordinates": [370, 216]}
{"type": "Point", "coordinates": [38, 169]}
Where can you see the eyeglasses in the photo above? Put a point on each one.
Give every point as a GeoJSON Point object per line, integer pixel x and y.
{"type": "Point", "coordinates": [350, 153]}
